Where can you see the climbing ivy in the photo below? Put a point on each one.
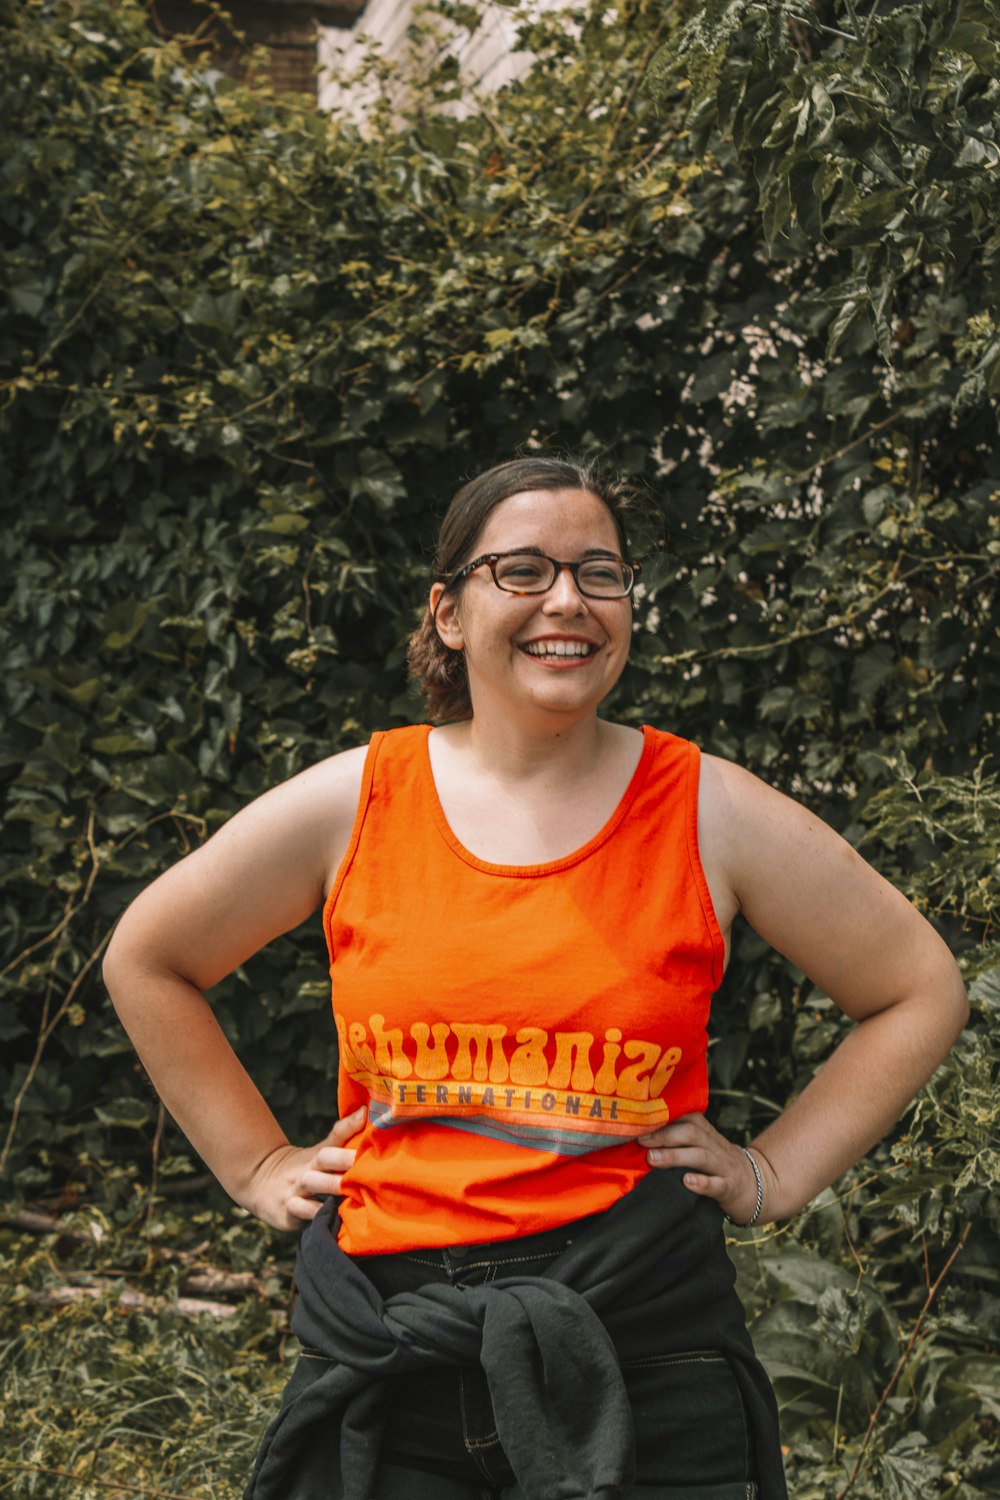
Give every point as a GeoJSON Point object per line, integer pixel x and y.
{"type": "Point", "coordinates": [747, 252]}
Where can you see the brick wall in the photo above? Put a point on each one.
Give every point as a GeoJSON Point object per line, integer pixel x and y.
{"type": "Point", "coordinates": [287, 29]}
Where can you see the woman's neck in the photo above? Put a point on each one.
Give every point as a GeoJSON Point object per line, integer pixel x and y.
{"type": "Point", "coordinates": [522, 798]}
{"type": "Point", "coordinates": [546, 749]}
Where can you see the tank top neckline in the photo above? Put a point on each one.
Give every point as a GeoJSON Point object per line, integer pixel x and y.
{"type": "Point", "coordinates": [549, 867]}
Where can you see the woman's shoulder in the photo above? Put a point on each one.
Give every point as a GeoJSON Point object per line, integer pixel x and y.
{"type": "Point", "coordinates": [262, 873]}
{"type": "Point", "coordinates": [324, 798]}
{"type": "Point", "coordinates": [739, 815]}
{"type": "Point", "coordinates": [338, 774]}
{"type": "Point", "coordinates": [301, 825]}
{"type": "Point", "coordinates": [326, 788]}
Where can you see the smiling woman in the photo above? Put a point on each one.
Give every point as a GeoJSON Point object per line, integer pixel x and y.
{"type": "Point", "coordinates": [524, 641]}
{"type": "Point", "coordinates": [439, 665]}
{"type": "Point", "coordinates": [514, 1282]}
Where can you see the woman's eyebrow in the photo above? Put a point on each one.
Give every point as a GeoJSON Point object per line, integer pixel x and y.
{"type": "Point", "coordinates": [533, 551]}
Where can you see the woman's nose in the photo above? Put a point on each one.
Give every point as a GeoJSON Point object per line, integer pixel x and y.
{"type": "Point", "coordinates": [564, 597]}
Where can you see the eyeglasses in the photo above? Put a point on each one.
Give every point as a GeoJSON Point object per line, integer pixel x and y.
{"type": "Point", "coordinates": [534, 573]}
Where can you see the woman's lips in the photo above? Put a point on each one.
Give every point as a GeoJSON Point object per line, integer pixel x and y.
{"type": "Point", "coordinates": [562, 651]}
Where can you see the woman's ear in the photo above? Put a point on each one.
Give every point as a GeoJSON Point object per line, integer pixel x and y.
{"type": "Point", "coordinates": [444, 613]}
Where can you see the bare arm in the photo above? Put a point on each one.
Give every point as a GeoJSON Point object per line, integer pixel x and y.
{"type": "Point", "coordinates": [262, 874]}
{"type": "Point", "coordinates": [807, 892]}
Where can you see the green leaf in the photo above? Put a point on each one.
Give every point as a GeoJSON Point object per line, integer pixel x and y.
{"type": "Point", "coordinates": [286, 524]}
{"type": "Point", "coordinates": [985, 989]}
{"type": "Point", "coordinates": [27, 299]}
{"type": "Point", "coordinates": [875, 501]}
{"type": "Point", "coordinates": [118, 744]}
{"type": "Point", "coordinates": [872, 670]}
{"type": "Point", "coordinates": [975, 39]}
{"type": "Point", "coordinates": [846, 320]}
{"type": "Point", "coordinates": [910, 1467]}
{"type": "Point", "coordinates": [124, 622]}
{"type": "Point", "coordinates": [125, 1114]}
{"type": "Point", "coordinates": [973, 1373]}
{"type": "Point", "coordinates": [805, 186]}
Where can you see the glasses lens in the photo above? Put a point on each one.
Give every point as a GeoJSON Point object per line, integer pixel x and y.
{"type": "Point", "coordinates": [523, 573]}
{"type": "Point", "coordinates": [603, 577]}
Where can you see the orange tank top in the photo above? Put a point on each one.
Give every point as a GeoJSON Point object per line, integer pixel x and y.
{"type": "Point", "coordinates": [513, 1028]}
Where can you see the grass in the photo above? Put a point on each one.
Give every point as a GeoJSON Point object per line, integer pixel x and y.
{"type": "Point", "coordinates": [101, 1400]}
{"type": "Point", "coordinates": [104, 1400]}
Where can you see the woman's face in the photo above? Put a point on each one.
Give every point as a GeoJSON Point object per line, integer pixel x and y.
{"type": "Point", "coordinates": [558, 651]}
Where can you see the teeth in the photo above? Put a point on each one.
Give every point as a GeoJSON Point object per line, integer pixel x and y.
{"type": "Point", "coordinates": [558, 648]}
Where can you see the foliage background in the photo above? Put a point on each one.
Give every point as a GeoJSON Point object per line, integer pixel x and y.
{"type": "Point", "coordinates": [749, 252]}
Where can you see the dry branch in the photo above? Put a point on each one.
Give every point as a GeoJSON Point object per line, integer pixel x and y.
{"type": "Point", "coordinates": [130, 1300]}
{"type": "Point", "coordinates": [205, 1282]}
{"type": "Point", "coordinates": [36, 1223]}
{"type": "Point", "coordinates": [224, 1284]}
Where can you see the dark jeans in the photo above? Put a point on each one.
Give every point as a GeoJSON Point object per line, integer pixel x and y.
{"type": "Point", "coordinates": [692, 1437]}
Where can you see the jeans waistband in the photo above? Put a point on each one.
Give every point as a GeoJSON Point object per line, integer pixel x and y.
{"type": "Point", "coordinates": [550, 1242]}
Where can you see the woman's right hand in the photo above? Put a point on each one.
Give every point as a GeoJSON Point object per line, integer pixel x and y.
{"type": "Point", "coordinates": [288, 1185]}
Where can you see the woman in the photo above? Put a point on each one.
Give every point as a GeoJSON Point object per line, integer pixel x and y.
{"type": "Point", "coordinates": [528, 907]}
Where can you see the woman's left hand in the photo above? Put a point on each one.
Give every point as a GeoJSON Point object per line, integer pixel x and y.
{"type": "Point", "coordinates": [713, 1166]}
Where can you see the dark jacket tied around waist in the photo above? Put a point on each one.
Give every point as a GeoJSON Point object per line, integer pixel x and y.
{"type": "Point", "coordinates": [550, 1347]}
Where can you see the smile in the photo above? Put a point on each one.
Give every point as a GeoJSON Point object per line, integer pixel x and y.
{"type": "Point", "coordinates": [558, 648]}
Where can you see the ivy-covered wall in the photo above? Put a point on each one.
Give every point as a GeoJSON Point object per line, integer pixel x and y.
{"type": "Point", "coordinates": [747, 252]}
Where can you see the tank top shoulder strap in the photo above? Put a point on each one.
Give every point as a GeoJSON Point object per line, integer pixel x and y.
{"type": "Point", "coordinates": [393, 784]}
{"type": "Point", "coordinates": [670, 785]}
{"type": "Point", "coordinates": [669, 797]}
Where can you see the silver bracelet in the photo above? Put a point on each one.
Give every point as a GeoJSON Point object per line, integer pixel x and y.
{"type": "Point", "coordinates": [747, 1223]}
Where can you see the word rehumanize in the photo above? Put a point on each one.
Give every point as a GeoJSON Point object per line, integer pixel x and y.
{"type": "Point", "coordinates": [608, 1086]}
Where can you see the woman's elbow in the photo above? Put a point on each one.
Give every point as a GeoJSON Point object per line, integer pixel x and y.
{"type": "Point", "coordinates": [943, 990]}
{"type": "Point", "coordinates": [115, 964]}
{"type": "Point", "coordinates": [959, 1000]}
{"type": "Point", "coordinates": [126, 957]}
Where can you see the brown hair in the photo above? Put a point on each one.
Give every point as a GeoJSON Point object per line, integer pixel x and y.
{"type": "Point", "coordinates": [440, 670]}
